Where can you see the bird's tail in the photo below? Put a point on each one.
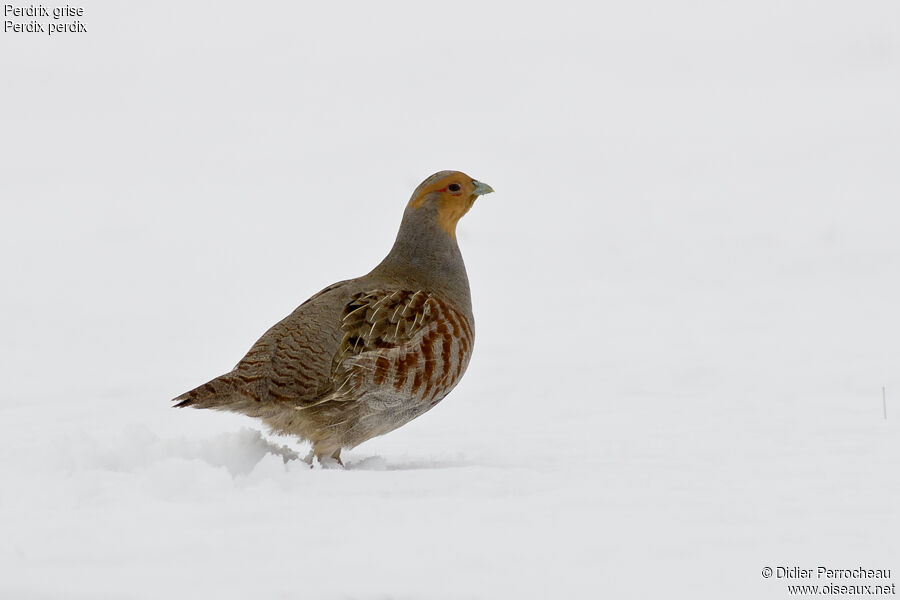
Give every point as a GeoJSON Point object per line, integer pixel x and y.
{"type": "Point", "coordinates": [220, 393]}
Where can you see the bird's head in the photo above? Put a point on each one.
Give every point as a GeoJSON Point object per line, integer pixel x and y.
{"type": "Point", "coordinates": [450, 194]}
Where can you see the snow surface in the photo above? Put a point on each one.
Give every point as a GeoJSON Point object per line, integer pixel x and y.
{"type": "Point", "coordinates": [686, 292]}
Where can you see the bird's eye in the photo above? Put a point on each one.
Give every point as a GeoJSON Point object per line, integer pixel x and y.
{"type": "Point", "coordinates": [453, 187]}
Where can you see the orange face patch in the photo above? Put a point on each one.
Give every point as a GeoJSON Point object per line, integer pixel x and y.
{"type": "Point", "coordinates": [455, 193]}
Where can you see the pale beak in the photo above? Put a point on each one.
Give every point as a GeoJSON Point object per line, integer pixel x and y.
{"type": "Point", "coordinates": [481, 188]}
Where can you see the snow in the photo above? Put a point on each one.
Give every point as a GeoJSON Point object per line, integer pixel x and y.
{"type": "Point", "coordinates": [685, 290]}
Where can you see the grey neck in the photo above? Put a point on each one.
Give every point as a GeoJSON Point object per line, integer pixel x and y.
{"type": "Point", "coordinates": [425, 255]}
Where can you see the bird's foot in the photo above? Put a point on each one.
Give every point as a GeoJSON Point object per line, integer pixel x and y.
{"type": "Point", "coordinates": [331, 462]}
{"type": "Point", "coordinates": [325, 461]}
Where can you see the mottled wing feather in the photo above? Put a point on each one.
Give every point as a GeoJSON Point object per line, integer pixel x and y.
{"type": "Point", "coordinates": [401, 341]}
{"type": "Point", "coordinates": [380, 319]}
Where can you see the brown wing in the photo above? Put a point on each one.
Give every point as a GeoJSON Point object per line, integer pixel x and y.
{"type": "Point", "coordinates": [292, 361]}
{"type": "Point", "coordinates": [406, 342]}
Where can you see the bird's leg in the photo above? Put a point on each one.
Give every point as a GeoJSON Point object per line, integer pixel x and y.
{"type": "Point", "coordinates": [309, 458]}
{"type": "Point", "coordinates": [329, 461]}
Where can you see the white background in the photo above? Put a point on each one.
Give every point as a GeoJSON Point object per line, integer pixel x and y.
{"type": "Point", "coordinates": [685, 289]}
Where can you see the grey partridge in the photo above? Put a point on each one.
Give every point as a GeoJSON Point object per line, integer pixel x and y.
{"type": "Point", "coordinates": [367, 355]}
